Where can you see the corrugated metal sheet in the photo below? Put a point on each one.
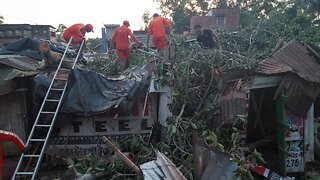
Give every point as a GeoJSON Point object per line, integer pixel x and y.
{"type": "Point", "coordinates": [160, 169]}
{"type": "Point", "coordinates": [300, 93]}
{"type": "Point", "coordinates": [294, 58]}
{"type": "Point", "coordinates": [209, 163]}
{"type": "Point", "coordinates": [6, 78]}
{"type": "Point", "coordinates": [19, 62]}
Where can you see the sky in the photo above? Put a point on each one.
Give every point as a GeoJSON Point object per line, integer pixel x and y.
{"type": "Point", "coordinates": [68, 12]}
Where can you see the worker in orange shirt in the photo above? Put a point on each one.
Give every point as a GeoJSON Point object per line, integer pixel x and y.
{"type": "Point", "coordinates": [9, 136]}
{"type": "Point", "coordinates": [77, 32]}
{"type": "Point", "coordinates": [120, 36]}
{"type": "Point", "coordinates": [157, 28]}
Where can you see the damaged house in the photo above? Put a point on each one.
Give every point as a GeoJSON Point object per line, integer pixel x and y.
{"type": "Point", "coordinates": [283, 105]}
{"type": "Point", "coordinates": [16, 73]}
{"type": "Point", "coordinates": [281, 101]}
{"type": "Point", "coordinates": [93, 105]}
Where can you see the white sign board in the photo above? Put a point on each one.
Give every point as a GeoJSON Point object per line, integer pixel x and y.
{"type": "Point", "coordinates": [82, 135]}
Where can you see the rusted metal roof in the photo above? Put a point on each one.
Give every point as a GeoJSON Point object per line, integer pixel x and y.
{"type": "Point", "coordinates": [300, 93]}
{"type": "Point", "coordinates": [22, 63]}
{"type": "Point", "coordinates": [294, 58]}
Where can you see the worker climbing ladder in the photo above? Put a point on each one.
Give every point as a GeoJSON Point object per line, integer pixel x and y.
{"type": "Point", "coordinates": [30, 160]}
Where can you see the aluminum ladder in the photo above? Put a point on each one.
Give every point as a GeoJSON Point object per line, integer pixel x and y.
{"type": "Point", "coordinates": [30, 160]}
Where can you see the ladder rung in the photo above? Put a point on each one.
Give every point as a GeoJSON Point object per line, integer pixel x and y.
{"type": "Point", "coordinates": [61, 79]}
{"type": "Point", "coordinates": [63, 69]}
{"type": "Point", "coordinates": [53, 100]}
{"type": "Point", "coordinates": [31, 155]}
{"type": "Point", "coordinates": [38, 140]}
{"type": "Point", "coordinates": [47, 112]}
{"type": "Point", "coordinates": [56, 89]}
{"type": "Point", "coordinates": [25, 173]}
{"type": "Point", "coordinates": [42, 125]}
{"type": "Point", "coordinates": [65, 60]}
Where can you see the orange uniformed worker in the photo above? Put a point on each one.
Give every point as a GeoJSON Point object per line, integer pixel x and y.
{"type": "Point", "coordinates": [77, 32]}
{"type": "Point", "coordinates": [120, 36]}
{"type": "Point", "coordinates": [157, 28]}
{"type": "Point", "coordinates": [9, 136]}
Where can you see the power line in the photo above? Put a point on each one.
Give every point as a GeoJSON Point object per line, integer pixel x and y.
{"type": "Point", "coordinates": [3, 14]}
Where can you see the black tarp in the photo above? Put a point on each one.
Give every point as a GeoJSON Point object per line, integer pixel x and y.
{"type": "Point", "coordinates": [25, 47]}
{"type": "Point", "coordinates": [90, 93]}
{"type": "Point", "coordinates": [29, 47]}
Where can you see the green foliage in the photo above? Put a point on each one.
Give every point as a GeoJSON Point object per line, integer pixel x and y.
{"type": "Point", "coordinates": [194, 90]}
{"type": "Point", "coordinates": [212, 140]}
{"type": "Point", "coordinates": [243, 170]}
{"type": "Point", "coordinates": [86, 165]}
{"type": "Point", "coordinates": [181, 11]}
{"type": "Point", "coordinates": [107, 66]}
{"type": "Point", "coordinates": [244, 165]}
{"type": "Point", "coordinates": [94, 43]}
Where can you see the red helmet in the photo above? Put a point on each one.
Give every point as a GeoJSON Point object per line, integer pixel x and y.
{"type": "Point", "coordinates": [126, 22]}
{"type": "Point", "coordinates": [90, 27]}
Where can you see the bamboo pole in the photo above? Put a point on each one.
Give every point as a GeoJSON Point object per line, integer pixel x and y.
{"type": "Point", "coordinates": [124, 158]}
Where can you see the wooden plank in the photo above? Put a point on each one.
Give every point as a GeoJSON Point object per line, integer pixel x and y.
{"type": "Point", "coordinates": [164, 100]}
{"type": "Point", "coordinates": [309, 135]}
{"type": "Point", "coordinates": [12, 113]}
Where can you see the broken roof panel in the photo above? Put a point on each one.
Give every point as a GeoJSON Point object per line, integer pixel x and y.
{"type": "Point", "coordinates": [294, 58]}
{"type": "Point", "coordinates": [160, 169]}
{"type": "Point", "coordinates": [210, 163]}
{"type": "Point", "coordinates": [301, 94]}
{"type": "Point", "coordinates": [22, 63]}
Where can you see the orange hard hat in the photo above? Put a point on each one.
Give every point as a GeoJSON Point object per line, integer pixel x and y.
{"type": "Point", "coordinates": [90, 27]}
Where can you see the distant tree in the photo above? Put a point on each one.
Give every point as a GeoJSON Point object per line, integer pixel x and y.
{"type": "Point", "coordinates": [181, 18]}
{"type": "Point", "coordinates": [94, 43]}
{"type": "Point", "coordinates": [61, 28]}
{"type": "Point", "coordinates": [181, 11]}
{"type": "Point", "coordinates": [145, 20]}
{"type": "Point", "coordinates": [1, 20]}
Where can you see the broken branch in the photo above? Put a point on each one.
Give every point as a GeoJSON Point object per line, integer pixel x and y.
{"type": "Point", "coordinates": [121, 155]}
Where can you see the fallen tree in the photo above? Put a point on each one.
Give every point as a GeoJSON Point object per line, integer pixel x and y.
{"type": "Point", "coordinates": [195, 90]}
